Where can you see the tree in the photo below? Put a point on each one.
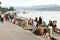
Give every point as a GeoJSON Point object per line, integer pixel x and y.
{"type": "Point", "coordinates": [0, 4]}
{"type": "Point", "coordinates": [11, 9]}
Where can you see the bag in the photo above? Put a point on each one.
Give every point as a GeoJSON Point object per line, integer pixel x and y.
{"type": "Point", "coordinates": [37, 32]}
{"type": "Point", "coordinates": [53, 38]}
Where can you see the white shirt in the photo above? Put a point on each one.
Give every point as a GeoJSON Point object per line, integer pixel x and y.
{"type": "Point", "coordinates": [34, 25]}
{"type": "Point", "coordinates": [2, 15]}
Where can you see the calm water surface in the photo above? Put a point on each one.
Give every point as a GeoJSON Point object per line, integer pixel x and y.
{"type": "Point", "coordinates": [46, 15]}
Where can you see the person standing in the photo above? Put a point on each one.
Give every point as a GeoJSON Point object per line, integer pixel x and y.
{"type": "Point", "coordinates": [50, 25]}
{"type": "Point", "coordinates": [2, 18]}
{"type": "Point", "coordinates": [34, 25]}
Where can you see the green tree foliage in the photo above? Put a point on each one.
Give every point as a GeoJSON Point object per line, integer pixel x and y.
{"type": "Point", "coordinates": [3, 9]}
{"type": "Point", "coordinates": [0, 3]}
{"type": "Point", "coordinates": [11, 9]}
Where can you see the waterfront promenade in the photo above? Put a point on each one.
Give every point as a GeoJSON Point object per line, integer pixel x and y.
{"type": "Point", "coordinates": [9, 31]}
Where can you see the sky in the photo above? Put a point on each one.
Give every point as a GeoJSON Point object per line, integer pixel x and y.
{"type": "Point", "coordinates": [28, 3]}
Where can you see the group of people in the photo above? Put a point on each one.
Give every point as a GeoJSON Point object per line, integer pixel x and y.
{"type": "Point", "coordinates": [9, 17]}
{"type": "Point", "coordinates": [53, 24]}
{"type": "Point", "coordinates": [39, 26]}
{"type": "Point", "coordinates": [6, 17]}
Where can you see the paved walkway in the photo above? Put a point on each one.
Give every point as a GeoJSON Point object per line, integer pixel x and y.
{"type": "Point", "coordinates": [9, 31]}
{"type": "Point", "coordinates": [57, 36]}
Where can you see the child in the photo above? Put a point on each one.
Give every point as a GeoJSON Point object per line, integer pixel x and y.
{"type": "Point", "coordinates": [47, 35]}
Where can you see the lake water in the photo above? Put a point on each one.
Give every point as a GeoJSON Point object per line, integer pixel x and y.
{"type": "Point", "coordinates": [46, 15]}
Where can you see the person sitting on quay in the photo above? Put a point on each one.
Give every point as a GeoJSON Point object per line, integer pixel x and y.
{"type": "Point", "coordinates": [39, 30]}
{"type": "Point", "coordinates": [44, 24]}
{"type": "Point", "coordinates": [34, 24]}
{"type": "Point", "coordinates": [30, 21]}
{"type": "Point", "coordinates": [54, 25]}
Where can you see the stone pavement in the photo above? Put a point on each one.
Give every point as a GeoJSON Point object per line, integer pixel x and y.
{"type": "Point", "coordinates": [57, 36]}
{"type": "Point", "coordinates": [9, 31]}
